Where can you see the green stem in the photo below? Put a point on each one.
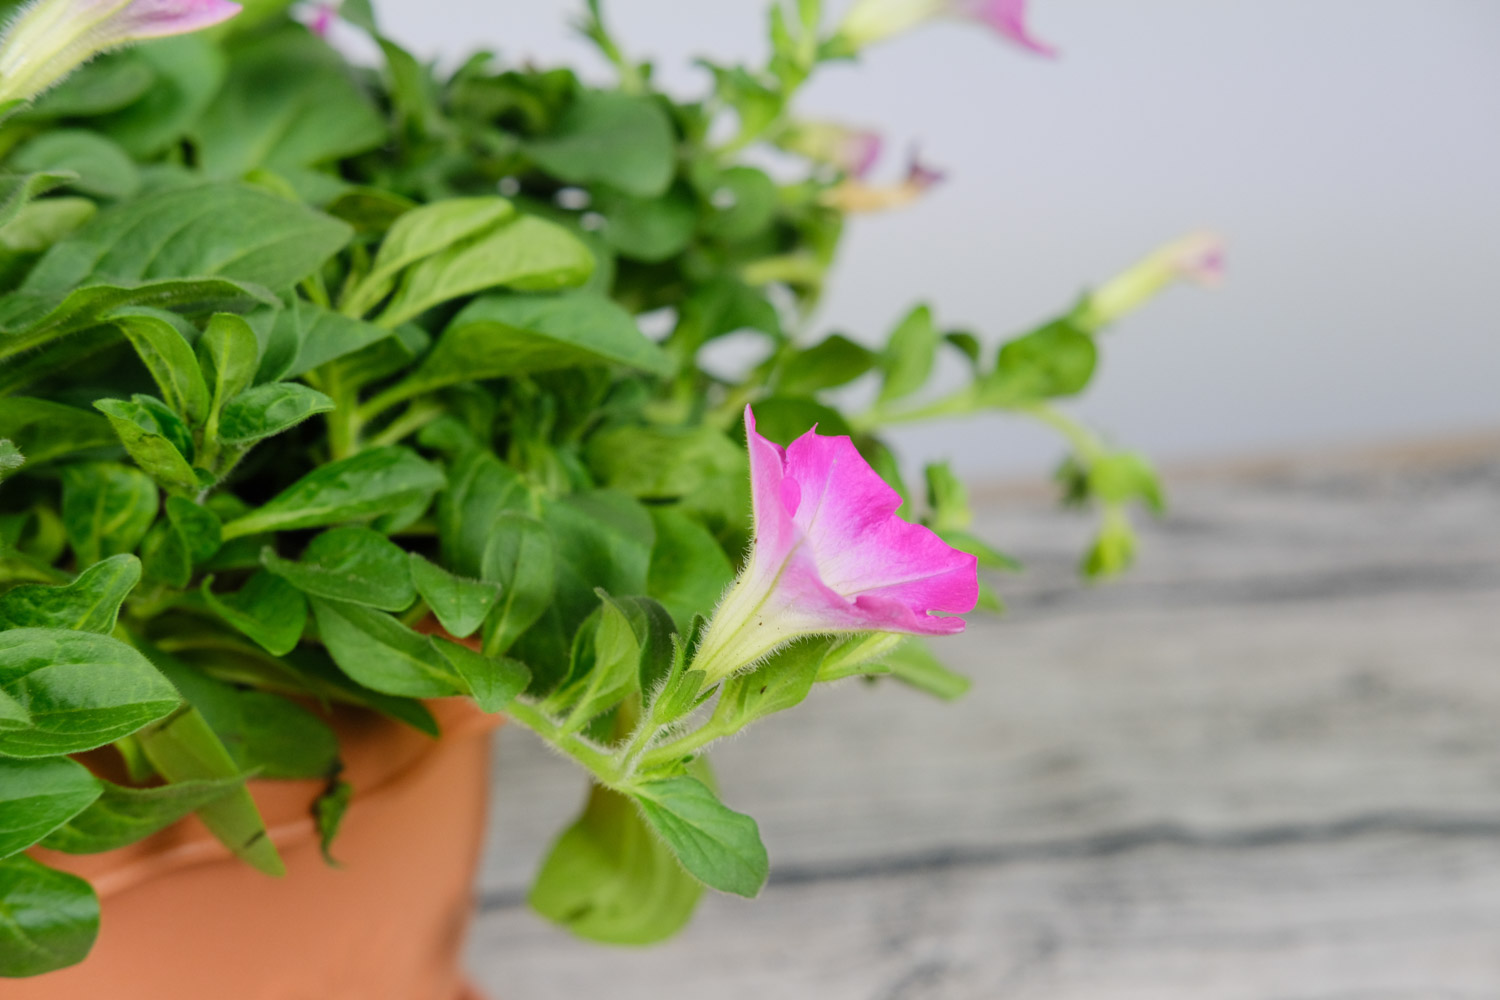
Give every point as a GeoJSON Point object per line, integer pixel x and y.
{"type": "Point", "coordinates": [595, 760]}
{"type": "Point", "coordinates": [414, 419]}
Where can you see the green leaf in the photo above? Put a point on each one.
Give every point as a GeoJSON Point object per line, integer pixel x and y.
{"type": "Point", "coordinates": [329, 812]}
{"type": "Point", "coordinates": [1056, 360]}
{"type": "Point", "coordinates": [362, 486]}
{"type": "Point", "coordinates": [50, 918]}
{"type": "Point", "coordinates": [834, 361]}
{"type": "Point", "coordinates": [269, 610]}
{"type": "Point", "coordinates": [81, 690]}
{"type": "Point", "coordinates": [198, 526]}
{"type": "Point", "coordinates": [305, 336]}
{"type": "Point", "coordinates": [649, 230]}
{"type": "Point", "coordinates": [480, 489]}
{"type": "Point", "coordinates": [122, 816]}
{"type": "Point", "coordinates": [88, 604]}
{"type": "Point", "coordinates": [266, 410]}
{"type": "Point", "coordinates": [521, 557]}
{"type": "Point", "coordinates": [185, 749]}
{"type": "Point", "coordinates": [609, 878]}
{"type": "Point", "coordinates": [689, 570]}
{"type": "Point", "coordinates": [528, 254]}
{"type": "Point", "coordinates": [352, 564]}
{"type": "Point", "coordinates": [913, 663]}
{"type": "Point", "coordinates": [189, 71]}
{"type": "Point", "coordinates": [493, 681]}
{"type": "Point", "coordinates": [620, 140]}
{"type": "Point", "coordinates": [909, 354]}
{"type": "Point", "coordinates": [1123, 476]}
{"type": "Point", "coordinates": [169, 358]}
{"type": "Point", "coordinates": [664, 463]}
{"type": "Point", "coordinates": [743, 200]}
{"type": "Point", "coordinates": [231, 231]}
{"type": "Point", "coordinates": [947, 498]}
{"type": "Point", "coordinates": [44, 430]}
{"type": "Point", "coordinates": [379, 652]}
{"type": "Point", "coordinates": [110, 83]}
{"type": "Point", "coordinates": [605, 668]}
{"type": "Point", "coordinates": [461, 605]}
{"type": "Point", "coordinates": [717, 845]}
{"type": "Point", "coordinates": [33, 317]}
{"type": "Point", "coordinates": [783, 681]}
{"type": "Point", "coordinates": [228, 354]}
{"type": "Point", "coordinates": [37, 797]}
{"type": "Point", "coordinates": [149, 443]}
{"type": "Point", "coordinates": [104, 169]}
{"type": "Point", "coordinates": [289, 101]}
{"type": "Point", "coordinates": [106, 509]}
{"type": "Point", "coordinates": [783, 419]}
{"type": "Point", "coordinates": [518, 334]}
{"type": "Point", "coordinates": [16, 190]}
{"type": "Point", "coordinates": [420, 233]}
{"type": "Point", "coordinates": [266, 734]}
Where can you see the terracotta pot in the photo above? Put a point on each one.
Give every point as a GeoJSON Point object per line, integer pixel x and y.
{"type": "Point", "coordinates": [183, 920]}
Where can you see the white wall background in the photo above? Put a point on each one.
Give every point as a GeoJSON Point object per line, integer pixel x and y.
{"type": "Point", "coordinates": [1349, 149]}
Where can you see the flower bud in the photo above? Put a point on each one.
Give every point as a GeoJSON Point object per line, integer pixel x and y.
{"type": "Point", "coordinates": [851, 151]}
{"type": "Point", "coordinates": [857, 195]}
{"type": "Point", "coordinates": [871, 21]}
{"type": "Point", "coordinates": [48, 39]}
{"type": "Point", "coordinates": [1197, 257]}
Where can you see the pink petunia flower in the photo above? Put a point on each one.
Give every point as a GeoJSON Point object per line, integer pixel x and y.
{"type": "Point", "coordinates": [871, 21]}
{"type": "Point", "coordinates": [831, 556]}
{"type": "Point", "coordinates": [49, 39]}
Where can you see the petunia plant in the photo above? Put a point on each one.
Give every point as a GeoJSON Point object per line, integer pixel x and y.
{"type": "Point", "coordinates": [324, 383]}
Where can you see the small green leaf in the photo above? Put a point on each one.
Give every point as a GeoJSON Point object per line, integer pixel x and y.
{"type": "Point", "coordinates": [528, 254]}
{"type": "Point", "coordinates": [781, 682]}
{"type": "Point", "coordinates": [122, 816]}
{"type": "Point", "coordinates": [605, 668]}
{"type": "Point", "coordinates": [649, 230]}
{"type": "Point", "coordinates": [379, 652]}
{"type": "Point", "coordinates": [620, 140]}
{"type": "Point", "coordinates": [266, 734]}
{"type": "Point", "coordinates": [89, 604]}
{"type": "Point", "coordinates": [199, 527]}
{"type": "Point", "coordinates": [362, 486]}
{"type": "Point", "coordinates": [81, 690]}
{"type": "Point", "coordinates": [913, 663]}
{"type": "Point", "coordinates": [44, 430]}
{"type": "Point", "coordinates": [329, 812]}
{"type": "Point", "coordinates": [719, 846]}
{"type": "Point", "coordinates": [267, 609]}
{"type": "Point", "coordinates": [103, 168]}
{"type": "Point", "coordinates": [51, 918]}
{"type": "Point", "coordinates": [522, 557]}
{"type": "Point", "coordinates": [106, 509]}
{"type": "Point", "coordinates": [169, 359]}
{"type": "Point", "coordinates": [420, 233]}
{"type": "Point", "coordinates": [228, 354]}
{"type": "Point", "coordinates": [37, 797]}
{"type": "Point", "coordinates": [1056, 360]}
{"type": "Point", "coordinates": [460, 605]}
{"type": "Point", "coordinates": [352, 564]}
{"type": "Point", "coordinates": [269, 409]}
{"type": "Point", "coordinates": [833, 362]}
{"type": "Point", "coordinates": [184, 748]}
{"type": "Point", "coordinates": [11, 458]}
{"type": "Point", "coordinates": [150, 443]}
{"type": "Point", "coordinates": [909, 355]}
{"type": "Point", "coordinates": [493, 681]}
{"type": "Point", "coordinates": [480, 489]}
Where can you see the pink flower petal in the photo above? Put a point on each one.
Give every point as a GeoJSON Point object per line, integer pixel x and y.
{"type": "Point", "coordinates": [1008, 17]}
{"type": "Point", "coordinates": [158, 18]}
